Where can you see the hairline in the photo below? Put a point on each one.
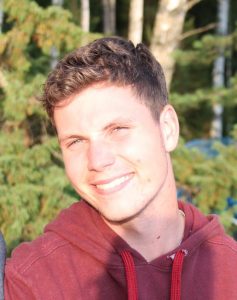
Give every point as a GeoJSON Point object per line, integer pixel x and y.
{"type": "Point", "coordinates": [105, 83]}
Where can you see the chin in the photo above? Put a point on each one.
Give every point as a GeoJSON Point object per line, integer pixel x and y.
{"type": "Point", "coordinates": [113, 218]}
{"type": "Point", "coordinates": [117, 217]}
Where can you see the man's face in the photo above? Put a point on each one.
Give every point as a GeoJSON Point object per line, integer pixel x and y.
{"type": "Point", "coordinates": [115, 154]}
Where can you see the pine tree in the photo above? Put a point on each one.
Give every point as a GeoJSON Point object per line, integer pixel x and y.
{"type": "Point", "coordinates": [33, 187]}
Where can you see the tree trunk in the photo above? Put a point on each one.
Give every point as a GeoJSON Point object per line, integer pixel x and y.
{"type": "Point", "coordinates": [219, 68]}
{"type": "Point", "coordinates": [75, 10]}
{"type": "Point", "coordinates": [85, 15]}
{"type": "Point", "coordinates": [54, 51]}
{"type": "Point", "coordinates": [136, 21]}
{"type": "Point", "coordinates": [166, 33]}
{"type": "Point", "coordinates": [1, 15]}
{"type": "Point", "coordinates": [109, 16]}
{"type": "Point", "coordinates": [57, 2]}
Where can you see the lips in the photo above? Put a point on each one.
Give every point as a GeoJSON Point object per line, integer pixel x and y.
{"type": "Point", "coordinates": [112, 185]}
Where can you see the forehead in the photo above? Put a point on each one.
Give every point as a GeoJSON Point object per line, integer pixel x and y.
{"type": "Point", "coordinates": [99, 104]}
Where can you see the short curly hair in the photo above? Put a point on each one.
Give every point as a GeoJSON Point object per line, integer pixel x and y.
{"type": "Point", "coordinates": [113, 60]}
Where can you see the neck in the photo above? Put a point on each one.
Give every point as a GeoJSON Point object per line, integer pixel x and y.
{"type": "Point", "coordinates": [159, 228]}
{"type": "Point", "coordinates": [153, 233]}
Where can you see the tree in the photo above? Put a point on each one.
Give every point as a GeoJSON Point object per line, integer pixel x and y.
{"type": "Point", "coordinates": [1, 15]}
{"type": "Point", "coordinates": [204, 181]}
{"type": "Point", "coordinates": [33, 186]}
{"type": "Point", "coordinates": [54, 50]}
{"type": "Point", "coordinates": [57, 2]}
{"type": "Point", "coordinates": [135, 28]}
{"type": "Point", "coordinates": [167, 31]}
{"type": "Point", "coordinates": [219, 68]}
{"type": "Point", "coordinates": [85, 15]}
{"type": "Point", "coordinates": [109, 16]}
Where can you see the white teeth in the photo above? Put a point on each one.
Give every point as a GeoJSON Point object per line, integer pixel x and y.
{"type": "Point", "coordinates": [113, 183]}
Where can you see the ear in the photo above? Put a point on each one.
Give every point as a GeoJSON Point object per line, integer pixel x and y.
{"type": "Point", "coordinates": [169, 125]}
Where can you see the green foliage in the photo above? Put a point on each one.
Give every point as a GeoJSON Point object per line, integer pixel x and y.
{"type": "Point", "coordinates": [209, 181]}
{"type": "Point", "coordinates": [33, 25]}
{"type": "Point", "coordinates": [33, 186]}
{"type": "Point", "coordinates": [205, 50]}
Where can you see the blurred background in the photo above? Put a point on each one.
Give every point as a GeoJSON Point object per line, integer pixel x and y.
{"type": "Point", "coordinates": [196, 43]}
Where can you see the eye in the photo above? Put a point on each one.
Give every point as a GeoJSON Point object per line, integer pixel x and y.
{"type": "Point", "coordinates": [119, 128]}
{"type": "Point", "coordinates": [119, 131]}
{"type": "Point", "coordinates": [74, 142]}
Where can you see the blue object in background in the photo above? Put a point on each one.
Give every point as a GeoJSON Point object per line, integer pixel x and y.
{"type": "Point", "coordinates": [205, 146]}
{"type": "Point", "coordinates": [231, 202]}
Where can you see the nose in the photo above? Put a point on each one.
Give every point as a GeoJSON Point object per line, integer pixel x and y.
{"type": "Point", "coordinates": [100, 155]}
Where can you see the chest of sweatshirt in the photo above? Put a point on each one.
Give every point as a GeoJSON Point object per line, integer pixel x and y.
{"type": "Point", "coordinates": [66, 272]}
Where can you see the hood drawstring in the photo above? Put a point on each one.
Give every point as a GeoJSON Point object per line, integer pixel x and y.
{"type": "Point", "coordinates": [130, 274]}
{"type": "Point", "coordinates": [175, 292]}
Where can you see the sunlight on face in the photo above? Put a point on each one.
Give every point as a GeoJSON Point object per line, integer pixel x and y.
{"type": "Point", "coordinates": [113, 150]}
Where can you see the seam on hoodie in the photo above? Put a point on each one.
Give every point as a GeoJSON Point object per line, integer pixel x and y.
{"type": "Point", "coordinates": [14, 275]}
{"type": "Point", "coordinates": [33, 259]}
{"type": "Point", "coordinates": [226, 243]}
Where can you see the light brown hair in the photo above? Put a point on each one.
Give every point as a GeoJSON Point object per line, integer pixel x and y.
{"type": "Point", "coordinates": [111, 60]}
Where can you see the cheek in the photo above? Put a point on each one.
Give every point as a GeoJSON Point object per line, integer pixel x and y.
{"type": "Point", "coordinates": [147, 157]}
{"type": "Point", "coordinates": [153, 165]}
{"type": "Point", "coordinates": [74, 167]}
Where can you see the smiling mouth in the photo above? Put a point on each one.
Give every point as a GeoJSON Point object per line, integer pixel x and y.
{"type": "Point", "coordinates": [114, 184]}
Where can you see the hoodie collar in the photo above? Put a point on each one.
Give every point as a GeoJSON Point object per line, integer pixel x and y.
{"type": "Point", "coordinates": [82, 226]}
{"type": "Point", "coordinates": [100, 240]}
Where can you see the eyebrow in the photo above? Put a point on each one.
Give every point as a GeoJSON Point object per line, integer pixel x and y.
{"type": "Point", "coordinates": [70, 137]}
{"type": "Point", "coordinates": [118, 121]}
{"type": "Point", "coordinates": [111, 124]}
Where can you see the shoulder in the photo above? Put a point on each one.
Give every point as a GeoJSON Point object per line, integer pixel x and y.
{"type": "Point", "coordinates": [224, 242]}
{"type": "Point", "coordinates": [28, 254]}
{"type": "Point", "coordinates": [29, 271]}
{"type": "Point", "coordinates": [219, 253]}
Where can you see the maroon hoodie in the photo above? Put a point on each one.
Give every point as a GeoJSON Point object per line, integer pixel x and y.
{"type": "Point", "coordinates": [80, 258]}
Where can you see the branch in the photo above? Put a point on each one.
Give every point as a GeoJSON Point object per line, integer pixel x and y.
{"type": "Point", "coordinates": [191, 3]}
{"type": "Point", "coordinates": [3, 81]}
{"type": "Point", "coordinates": [57, 155]}
{"type": "Point", "coordinates": [197, 31]}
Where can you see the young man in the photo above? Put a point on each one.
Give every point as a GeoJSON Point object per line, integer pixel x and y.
{"type": "Point", "coordinates": [128, 238]}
